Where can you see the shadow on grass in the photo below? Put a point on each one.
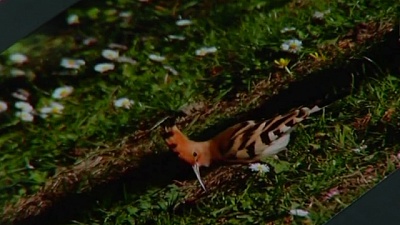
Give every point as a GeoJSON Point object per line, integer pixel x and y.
{"type": "Point", "coordinates": [153, 170]}
{"type": "Point", "coordinates": [325, 86]}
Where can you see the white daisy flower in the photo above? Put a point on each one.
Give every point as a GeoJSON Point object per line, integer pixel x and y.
{"type": "Point", "coordinates": [176, 37]}
{"type": "Point", "coordinates": [24, 116]}
{"type": "Point", "coordinates": [72, 63]}
{"type": "Point", "coordinates": [21, 94]}
{"type": "Point", "coordinates": [206, 50]}
{"type": "Point", "coordinates": [288, 29]}
{"type": "Point", "coordinates": [320, 15]}
{"type": "Point", "coordinates": [18, 58]}
{"type": "Point", "coordinates": [110, 54]}
{"type": "Point", "coordinates": [73, 19]}
{"type": "Point", "coordinates": [299, 212]}
{"type": "Point", "coordinates": [17, 72]}
{"type": "Point", "coordinates": [118, 46]}
{"type": "Point", "coordinates": [125, 59]}
{"type": "Point", "coordinates": [258, 167]}
{"type": "Point", "coordinates": [171, 70]}
{"type": "Point", "coordinates": [3, 106]}
{"type": "Point", "coordinates": [54, 108]}
{"type": "Point", "coordinates": [104, 67]}
{"type": "Point", "coordinates": [62, 92]}
{"type": "Point", "coordinates": [45, 110]}
{"type": "Point", "coordinates": [183, 23]}
{"type": "Point", "coordinates": [124, 103]}
{"type": "Point", "coordinates": [23, 106]}
{"type": "Point", "coordinates": [359, 149]}
{"type": "Point", "coordinates": [89, 41]}
{"type": "Point", "coordinates": [125, 14]}
{"type": "Point", "coordinates": [43, 115]}
{"type": "Point", "coordinates": [156, 58]}
{"type": "Point", "coordinates": [292, 46]}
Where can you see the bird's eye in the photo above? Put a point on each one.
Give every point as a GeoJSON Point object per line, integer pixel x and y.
{"type": "Point", "coordinates": [194, 154]}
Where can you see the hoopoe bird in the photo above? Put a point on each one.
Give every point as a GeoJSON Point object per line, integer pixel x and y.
{"type": "Point", "coordinates": [244, 142]}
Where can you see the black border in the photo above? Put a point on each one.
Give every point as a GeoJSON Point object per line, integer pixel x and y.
{"type": "Point", "coordinates": [18, 18]}
{"type": "Point", "coordinates": [378, 206]}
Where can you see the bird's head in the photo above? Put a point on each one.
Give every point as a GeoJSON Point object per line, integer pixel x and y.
{"type": "Point", "coordinates": [196, 154]}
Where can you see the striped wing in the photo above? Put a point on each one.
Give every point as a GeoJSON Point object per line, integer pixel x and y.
{"type": "Point", "coordinates": [250, 140]}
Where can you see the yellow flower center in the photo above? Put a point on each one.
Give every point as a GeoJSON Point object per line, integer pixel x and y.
{"type": "Point", "coordinates": [71, 62]}
{"type": "Point", "coordinates": [64, 93]}
{"type": "Point", "coordinates": [293, 46]}
{"type": "Point", "coordinates": [55, 110]}
{"type": "Point", "coordinates": [126, 103]}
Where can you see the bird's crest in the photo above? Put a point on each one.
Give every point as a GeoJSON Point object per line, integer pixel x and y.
{"type": "Point", "coordinates": [179, 143]}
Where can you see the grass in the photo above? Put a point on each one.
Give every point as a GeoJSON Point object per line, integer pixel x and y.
{"type": "Point", "coordinates": [248, 38]}
{"type": "Point", "coordinates": [330, 152]}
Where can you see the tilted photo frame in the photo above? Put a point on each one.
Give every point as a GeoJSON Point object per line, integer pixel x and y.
{"type": "Point", "coordinates": [201, 112]}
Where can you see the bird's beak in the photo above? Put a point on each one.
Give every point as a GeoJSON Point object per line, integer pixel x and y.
{"type": "Point", "coordinates": [196, 170]}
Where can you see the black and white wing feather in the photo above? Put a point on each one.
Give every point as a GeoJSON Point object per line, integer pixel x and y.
{"type": "Point", "coordinates": [251, 140]}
